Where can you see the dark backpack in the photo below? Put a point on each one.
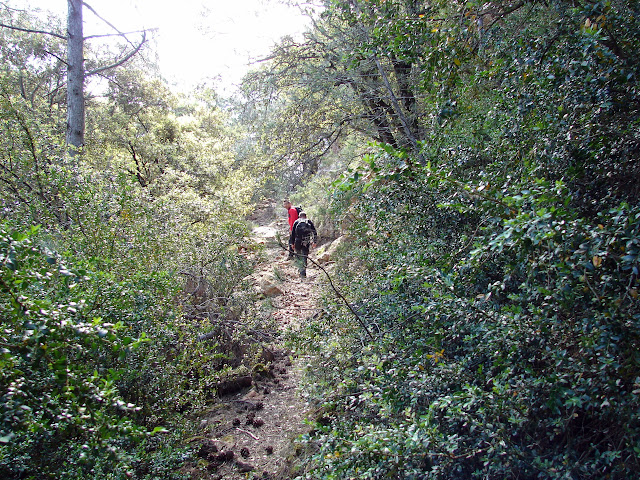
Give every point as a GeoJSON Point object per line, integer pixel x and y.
{"type": "Point", "coordinates": [304, 232]}
{"type": "Point", "coordinates": [298, 209]}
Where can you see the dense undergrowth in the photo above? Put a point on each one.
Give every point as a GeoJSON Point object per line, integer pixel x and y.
{"type": "Point", "coordinates": [497, 268]}
{"type": "Point", "coordinates": [122, 300]}
{"type": "Point", "coordinates": [517, 358]}
{"type": "Point", "coordinates": [102, 356]}
{"type": "Point", "coordinates": [493, 246]}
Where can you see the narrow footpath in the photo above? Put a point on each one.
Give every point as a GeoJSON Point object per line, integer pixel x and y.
{"type": "Point", "coordinates": [250, 433]}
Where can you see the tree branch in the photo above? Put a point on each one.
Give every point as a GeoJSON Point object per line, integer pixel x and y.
{"type": "Point", "coordinates": [28, 30]}
{"type": "Point", "coordinates": [394, 101]}
{"type": "Point", "coordinates": [109, 23]}
{"type": "Point", "coordinates": [122, 61]}
{"type": "Point", "coordinates": [503, 14]}
{"type": "Point", "coordinates": [91, 37]}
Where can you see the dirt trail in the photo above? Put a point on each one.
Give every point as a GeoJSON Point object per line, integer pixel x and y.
{"type": "Point", "coordinates": [249, 434]}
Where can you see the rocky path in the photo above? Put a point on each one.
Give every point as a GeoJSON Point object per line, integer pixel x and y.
{"type": "Point", "coordinates": [251, 433]}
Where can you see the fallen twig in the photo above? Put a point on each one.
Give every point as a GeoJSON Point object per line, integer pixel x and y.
{"type": "Point", "coordinates": [248, 433]}
{"type": "Point", "coordinates": [337, 292]}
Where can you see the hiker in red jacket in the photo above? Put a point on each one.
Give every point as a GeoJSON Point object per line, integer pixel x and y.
{"type": "Point", "coordinates": [293, 216]}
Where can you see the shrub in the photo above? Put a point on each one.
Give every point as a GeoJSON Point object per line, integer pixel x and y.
{"type": "Point", "coordinates": [514, 358]}
{"type": "Point", "coordinates": [60, 365]}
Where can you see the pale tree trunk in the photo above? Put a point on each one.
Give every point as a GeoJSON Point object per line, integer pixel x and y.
{"type": "Point", "coordinates": [75, 77]}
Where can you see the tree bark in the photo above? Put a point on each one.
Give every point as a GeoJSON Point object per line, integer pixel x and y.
{"type": "Point", "coordinates": [403, 77]}
{"type": "Point", "coordinates": [75, 77]}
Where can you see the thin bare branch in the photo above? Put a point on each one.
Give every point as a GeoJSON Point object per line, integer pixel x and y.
{"type": "Point", "coordinates": [29, 30]}
{"type": "Point", "coordinates": [109, 23]}
{"type": "Point", "coordinates": [335, 289]}
{"type": "Point", "coordinates": [91, 37]}
{"type": "Point", "coordinates": [123, 60]}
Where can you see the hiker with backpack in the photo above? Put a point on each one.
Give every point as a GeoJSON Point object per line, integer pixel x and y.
{"type": "Point", "coordinates": [303, 237]}
{"type": "Point", "coordinates": [293, 213]}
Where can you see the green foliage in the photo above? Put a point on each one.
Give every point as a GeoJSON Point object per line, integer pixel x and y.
{"type": "Point", "coordinates": [131, 255]}
{"type": "Point", "coordinates": [62, 357]}
{"type": "Point", "coordinates": [495, 234]}
{"type": "Point", "coordinates": [101, 328]}
{"type": "Point", "coordinates": [516, 359]}
{"type": "Point", "coordinates": [498, 265]}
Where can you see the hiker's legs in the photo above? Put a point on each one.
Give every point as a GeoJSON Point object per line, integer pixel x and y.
{"type": "Point", "coordinates": [305, 255]}
{"type": "Point", "coordinates": [302, 252]}
{"type": "Point", "coordinates": [290, 252]}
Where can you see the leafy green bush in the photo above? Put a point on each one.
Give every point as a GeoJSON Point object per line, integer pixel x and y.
{"type": "Point", "coordinates": [101, 332]}
{"type": "Point", "coordinates": [498, 265]}
{"type": "Point", "coordinates": [518, 359]}
{"type": "Point", "coordinates": [61, 361]}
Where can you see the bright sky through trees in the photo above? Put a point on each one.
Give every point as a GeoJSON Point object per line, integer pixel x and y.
{"type": "Point", "coordinates": [196, 39]}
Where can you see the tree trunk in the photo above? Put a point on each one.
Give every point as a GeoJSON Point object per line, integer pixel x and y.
{"type": "Point", "coordinates": [75, 77]}
{"type": "Point", "coordinates": [403, 77]}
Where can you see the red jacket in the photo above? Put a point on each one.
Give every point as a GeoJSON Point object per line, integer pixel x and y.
{"type": "Point", "coordinates": [293, 216]}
